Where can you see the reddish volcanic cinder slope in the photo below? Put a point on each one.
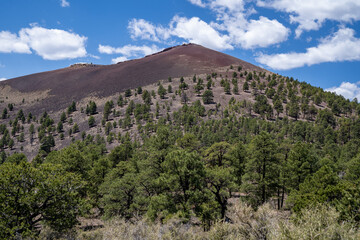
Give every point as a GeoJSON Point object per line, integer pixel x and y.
{"type": "Point", "coordinates": [75, 83]}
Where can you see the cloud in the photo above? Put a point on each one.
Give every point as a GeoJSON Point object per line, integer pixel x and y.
{"type": "Point", "coordinates": [140, 28]}
{"type": "Point", "coordinates": [231, 5]}
{"type": "Point", "coordinates": [119, 59]}
{"type": "Point", "coordinates": [220, 5]}
{"type": "Point", "coordinates": [10, 42]}
{"type": "Point", "coordinates": [65, 3]}
{"type": "Point", "coordinates": [93, 56]}
{"type": "Point", "coordinates": [232, 17]}
{"type": "Point", "coordinates": [231, 28]}
{"type": "Point", "coordinates": [193, 30]}
{"type": "Point", "coordinates": [54, 44]}
{"type": "Point", "coordinates": [310, 14]}
{"type": "Point", "coordinates": [129, 50]}
{"type": "Point", "coordinates": [50, 44]}
{"type": "Point", "coordinates": [347, 89]}
{"type": "Point", "coordinates": [198, 3]}
{"type": "Point", "coordinates": [3, 79]}
{"type": "Point", "coordinates": [197, 31]}
{"type": "Point", "coordinates": [259, 33]}
{"type": "Point", "coordinates": [341, 46]}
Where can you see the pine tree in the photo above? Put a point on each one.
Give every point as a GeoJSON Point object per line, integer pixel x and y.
{"type": "Point", "coordinates": [208, 97]}
{"type": "Point", "coordinates": [75, 128]}
{"type": "Point", "coordinates": [139, 90]}
{"type": "Point", "coordinates": [91, 121]}
{"type": "Point", "coordinates": [91, 108]}
{"type": "Point", "coordinates": [63, 117]}
{"type": "Point", "coordinates": [219, 174]}
{"type": "Point", "coordinates": [128, 93]}
{"type": "Point", "coordinates": [161, 91]}
{"type": "Point", "coordinates": [246, 87]}
{"type": "Point", "coordinates": [146, 97]}
{"type": "Point", "coordinates": [169, 89]}
{"type": "Point", "coordinates": [59, 128]}
{"type": "Point", "coordinates": [261, 177]}
{"type": "Point", "coordinates": [227, 87]}
{"type": "Point", "coordinates": [120, 101]}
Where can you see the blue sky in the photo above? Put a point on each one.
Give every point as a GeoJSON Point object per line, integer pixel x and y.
{"type": "Point", "coordinates": [313, 41]}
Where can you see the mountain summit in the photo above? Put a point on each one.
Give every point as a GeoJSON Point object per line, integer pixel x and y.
{"type": "Point", "coordinates": [61, 87]}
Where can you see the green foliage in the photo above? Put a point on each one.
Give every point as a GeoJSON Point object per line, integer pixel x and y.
{"type": "Point", "coordinates": [278, 106]}
{"type": "Point", "coordinates": [199, 86]}
{"type": "Point", "coordinates": [192, 160]}
{"type": "Point", "coordinates": [227, 87]}
{"type": "Point", "coordinates": [207, 97]}
{"type": "Point", "coordinates": [261, 173]}
{"type": "Point", "coordinates": [4, 114]}
{"type": "Point", "coordinates": [30, 196]}
{"type": "Point", "coordinates": [300, 164]}
{"type": "Point", "coordinates": [91, 108]}
{"type": "Point", "coordinates": [118, 190]}
{"type": "Point", "coordinates": [47, 142]}
{"type": "Point", "coordinates": [71, 108]}
{"type": "Point", "coordinates": [262, 106]}
{"type": "Point", "coordinates": [169, 89]}
{"type": "Point", "coordinates": [293, 108]}
{"type": "Point", "coordinates": [219, 175]}
{"type": "Point", "coordinates": [146, 97]}
{"type": "Point", "coordinates": [120, 101]}
{"type": "Point", "coordinates": [63, 117]}
{"type": "Point", "coordinates": [10, 106]}
{"type": "Point", "coordinates": [246, 86]}
{"type": "Point", "coordinates": [183, 177]}
{"type": "Point", "coordinates": [128, 93]}
{"type": "Point", "coordinates": [91, 121]}
{"type": "Point", "coordinates": [139, 90]}
{"type": "Point", "coordinates": [75, 128]}
{"type": "Point", "coordinates": [249, 76]}
{"type": "Point", "coordinates": [107, 109]}
{"type": "Point", "coordinates": [161, 91]}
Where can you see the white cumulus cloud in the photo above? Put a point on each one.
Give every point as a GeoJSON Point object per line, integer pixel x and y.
{"type": "Point", "coordinates": [3, 79]}
{"type": "Point", "coordinates": [258, 33]}
{"type": "Point", "coordinates": [129, 50]}
{"type": "Point", "coordinates": [119, 59]}
{"type": "Point", "coordinates": [50, 44]}
{"type": "Point", "coordinates": [220, 5]}
{"type": "Point", "coordinates": [54, 44]}
{"type": "Point", "coordinates": [140, 28]}
{"type": "Point", "coordinates": [64, 3]}
{"type": "Point", "coordinates": [197, 31]}
{"type": "Point", "coordinates": [231, 28]}
{"type": "Point", "coordinates": [310, 14]}
{"type": "Point", "coordinates": [347, 89]}
{"type": "Point", "coordinates": [10, 42]}
{"type": "Point", "coordinates": [341, 46]}
{"type": "Point", "coordinates": [198, 3]}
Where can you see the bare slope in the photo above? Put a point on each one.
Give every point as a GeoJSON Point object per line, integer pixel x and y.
{"type": "Point", "coordinates": [75, 83]}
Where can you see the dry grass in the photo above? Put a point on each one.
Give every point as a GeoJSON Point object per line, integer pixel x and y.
{"type": "Point", "coordinates": [318, 223]}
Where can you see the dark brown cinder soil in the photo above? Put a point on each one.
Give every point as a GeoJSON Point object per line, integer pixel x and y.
{"type": "Point", "coordinates": [80, 81]}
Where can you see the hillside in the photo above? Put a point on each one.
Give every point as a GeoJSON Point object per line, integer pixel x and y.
{"type": "Point", "coordinates": [57, 89]}
{"type": "Point", "coordinates": [53, 92]}
{"type": "Point", "coordinates": [184, 136]}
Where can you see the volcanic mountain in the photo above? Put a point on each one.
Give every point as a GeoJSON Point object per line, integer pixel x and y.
{"type": "Point", "coordinates": [57, 89]}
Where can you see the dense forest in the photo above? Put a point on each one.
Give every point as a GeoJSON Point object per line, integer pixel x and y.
{"type": "Point", "coordinates": [282, 164]}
